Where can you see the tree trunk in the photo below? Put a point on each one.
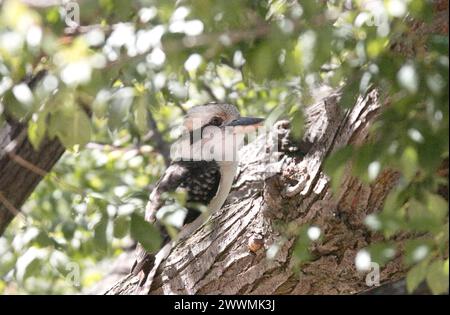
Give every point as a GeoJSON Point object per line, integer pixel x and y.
{"type": "Point", "coordinates": [21, 168]}
{"type": "Point", "coordinates": [270, 199]}
{"type": "Point", "coordinates": [216, 258]}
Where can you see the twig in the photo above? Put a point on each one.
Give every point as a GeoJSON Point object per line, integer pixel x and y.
{"type": "Point", "coordinates": [8, 205]}
{"type": "Point", "coordinates": [110, 147]}
{"type": "Point", "coordinates": [26, 164]}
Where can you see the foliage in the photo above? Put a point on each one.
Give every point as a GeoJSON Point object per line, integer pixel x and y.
{"type": "Point", "coordinates": [134, 62]}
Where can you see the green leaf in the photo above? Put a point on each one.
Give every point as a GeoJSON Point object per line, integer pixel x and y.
{"type": "Point", "coordinates": [140, 116]}
{"type": "Point", "coordinates": [262, 62]}
{"type": "Point", "coordinates": [392, 202]}
{"type": "Point", "coordinates": [363, 157]}
{"type": "Point", "coordinates": [29, 263]}
{"type": "Point", "coordinates": [416, 275]}
{"type": "Point", "coordinates": [100, 238]}
{"type": "Point", "coordinates": [337, 158]}
{"type": "Point", "coordinates": [32, 268]}
{"type": "Point", "coordinates": [301, 248]}
{"type": "Point", "coordinates": [119, 107]}
{"type": "Point", "coordinates": [382, 252]}
{"type": "Point", "coordinates": [429, 152]}
{"type": "Point", "coordinates": [37, 128]}
{"type": "Point", "coordinates": [420, 218]}
{"type": "Point", "coordinates": [350, 93]}
{"type": "Point", "coordinates": [336, 179]}
{"type": "Point", "coordinates": [298, 124]}
{"type": "Point", "coordinates": [409, 162]}
{"type": "Point", "coordinates": [145, 233]}
{"type": "Point", "coordinates": [16, 108]}
{"type": "Point", "coordinates": [437, 205]}
{"type": "Point", "coordinates": [2, 119]}
{"type": "Point", "coordinates": [417, 250]}
{"type": "Point", "coordinates": [71, 125]}
{"type": "Point", "coordinates": [44, 240]}
{"type": "Point", "coordinates": [121, 226]}
{"type": "Point", "coordinates": [439, 43]}
{"type": "Point", "coordinates": [334, 166]}
{"type": "Point", "coordinates": [437, 277]}
{"type": "Point", "coordinates": [68, 229]}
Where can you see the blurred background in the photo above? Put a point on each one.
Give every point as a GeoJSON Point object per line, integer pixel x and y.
{"type": "Point", "coordinates": [120, 75]}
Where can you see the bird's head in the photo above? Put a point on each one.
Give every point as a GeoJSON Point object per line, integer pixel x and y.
{"type": "Point", "coordinates": [219, 115]}
{"type": "Point", "coordinates": [212, 131]}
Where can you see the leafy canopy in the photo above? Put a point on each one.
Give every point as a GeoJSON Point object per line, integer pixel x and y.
{"type": "Point", "coordinates": [134, 63]}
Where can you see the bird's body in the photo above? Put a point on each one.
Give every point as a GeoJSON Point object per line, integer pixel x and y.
{"type": "Point", "coordinates": [206, 181]}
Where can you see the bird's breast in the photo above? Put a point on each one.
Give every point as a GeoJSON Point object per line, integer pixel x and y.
{"type": "Point", "coordinates": [227, 174]}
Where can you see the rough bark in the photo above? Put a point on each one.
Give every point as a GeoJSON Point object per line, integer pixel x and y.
{"type": "Point", "coordinates": [218, 260]}
{"type": "Point", "coordinates": [271, 200]}
{"type": "Point", "coordinates": [21, 168]}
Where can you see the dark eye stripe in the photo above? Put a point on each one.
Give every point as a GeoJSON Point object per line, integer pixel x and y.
{"type": "Point", "coordinates": [215, 121]}
{"type": "Point", "coordinates": [211, 123]}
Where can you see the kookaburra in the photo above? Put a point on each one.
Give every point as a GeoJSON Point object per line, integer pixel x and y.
{"type": "Point", "coordinates": [204, 166]}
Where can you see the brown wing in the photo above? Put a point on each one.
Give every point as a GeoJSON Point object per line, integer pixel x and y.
{"type": "Point", "coordinates": [201, 181]}
{"type": "Point", "coordinates": [170, 181]}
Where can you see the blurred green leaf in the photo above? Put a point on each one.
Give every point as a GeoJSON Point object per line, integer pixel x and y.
{"type": "Point", "coordinates": [416, 275]}
{"type": "Point", "coordinates": [437, 205]}
{"type": "Point", "coordinates": [145, 233]}
{"type": "Point", "coordinates": [335, 164]}
{"type": "Point", "coordinates": [417, 250]}
{"type": "Point", "coordinates": [100, 237]}
{"type": "Point", "coordinates": [37, 129]}
{"type": "Point", "coordinates": [297, 124]}
{"type": "Point", "coordinates": [437, 277]}
{"type": "Point", "coordinates": [382, 252]}
{"type": "Point", "coordinates": [264, 57]}
{"type": "Point", "coordinates": [71, 125]}
{"type": "Point", "coordinates": [350, 93]}
{"type": "Point", "coordinates": [301, 248]}
{"type": "Point", "coordinates": [119, 107]}
{"type": "Point", "coordinates": [409, 161]}
{"type": "Point", "coordinates": [337, 159]}
{"type": "Point", "coordinates": [68, 229]}
{"type": "Point", "coordinates": [121, 226]}
{"type": "Point", "coordinates": [439, 43]}
{"type": "Point", "coordinates": [140, 116]}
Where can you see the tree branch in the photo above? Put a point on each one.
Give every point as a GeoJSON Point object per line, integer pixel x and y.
{"type": "Point", "coordinates": [216, 259]}
{"type": "Point", "coordinates": [22, 167]}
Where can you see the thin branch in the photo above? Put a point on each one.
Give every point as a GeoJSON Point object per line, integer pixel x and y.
{"type": "Point", "coordinates": [8, 205]}
{"type": "Point", "coordinates": [110, 147]}
{"type": "Point", "coordinates": [183, 110]}
{"type": "Point", "coordinates": [26, 164]}
{"type": "Point", "coordinates": [42, 3]}
{"type": "Point", "coordinates": [155, 135]}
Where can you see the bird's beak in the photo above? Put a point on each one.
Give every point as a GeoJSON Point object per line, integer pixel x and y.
{"type": "Point", "coordinates": [245, 124]}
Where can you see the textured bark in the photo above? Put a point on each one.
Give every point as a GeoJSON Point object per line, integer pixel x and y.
{"type": "Point", "coordinates": [21, 168]}
{"type": "Point", "coordinates": [271, 200]}
{"type": "Point", "coordinates": [216, 258]}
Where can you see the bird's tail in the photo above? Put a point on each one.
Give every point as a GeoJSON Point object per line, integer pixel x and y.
{"type": "Point", "coordinates": [143, 264]}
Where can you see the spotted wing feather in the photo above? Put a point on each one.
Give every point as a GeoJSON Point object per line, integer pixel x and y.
{"type": "Point", "coordinates": [200, 180]}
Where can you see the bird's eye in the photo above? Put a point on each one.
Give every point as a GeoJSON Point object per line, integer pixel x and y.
{"type": "Point", "coordinates": [215, 121]}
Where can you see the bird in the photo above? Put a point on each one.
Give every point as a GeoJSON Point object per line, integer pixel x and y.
{"type": "Point", "coordinates": [204, 164]}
